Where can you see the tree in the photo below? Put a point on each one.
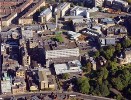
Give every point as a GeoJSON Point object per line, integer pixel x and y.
{"type": "Point", "coordinates": [83, 85]}
{"type": "Point", "coordinates": [116, 82]}
{"type": "Point", "coordinates": [88, 67]}
{"type": "Point", "coordinates": [126, 42]}
{"type": "Point", "coordinates": [112, 65]}
{"type": "Point", "coordinates": [118, 47]}
{"type": "Point", "coordinates": [108, 52]}
{"type": "Point", "coordinates": [96, 54]}
{"type": "Point", "coordinates": [103, 73]}
{"type": "Point", "coordinates": [104, 90]}
{"type": "Point", "coordinates": [65, 76]}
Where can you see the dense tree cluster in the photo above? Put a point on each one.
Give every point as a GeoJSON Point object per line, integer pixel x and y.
{"type": "Point", "coordinates": [110, 76]}
{"type": "Point", "coordinates": [101, 81]}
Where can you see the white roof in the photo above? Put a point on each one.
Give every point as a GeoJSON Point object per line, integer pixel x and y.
{"type": "Point", "coordinates": [45, 12]}
{"type": "Point", "coordinates": [78, 8]}
{"type": "Point", "coordinates": [73, 35]}
{"type": "Point", "coordinates": [64, 68]}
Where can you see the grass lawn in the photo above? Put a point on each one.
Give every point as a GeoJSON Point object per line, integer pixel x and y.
{"type": "Point", "coordinates": [59, 37]}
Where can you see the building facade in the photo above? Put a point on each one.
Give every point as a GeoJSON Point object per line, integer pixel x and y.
{"type": "Point", "coordinates": [45, 15]}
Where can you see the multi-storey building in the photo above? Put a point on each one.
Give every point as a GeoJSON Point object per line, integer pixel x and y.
{"type": "Point", "coordinates": [20, 73]}
{"type": "Point", "coordinates": [126, 59]}
{"type": "Point", "coordinates": [18, 85]}
{"type": "Point", "coordinates": [5, 84]}
{"type": "Point", "coordinates": [45, 15]}
{"type": "Point", "coordinates": [62, 9]}
{"type": "Point", "coordinates": [45, 80]}
{"type": "Point", "coordinates": [60, 52]}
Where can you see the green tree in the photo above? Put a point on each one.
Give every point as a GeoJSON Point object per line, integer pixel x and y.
{"type": "Point", "coordinates": [83, 85]}
{"type": "Point", "coordinates": [104, 90]}
{"type": "Point", "coordinates": [65, 76]}
{"type": "Point", "coordinates": [96, 54]}
{"type": "Point", "coordinates": [118, 47]}
{"type": "Point", "coordinates": [108, 52]}
{"type": "Point", "coordinates": [117, 83]}
{"type": "Point", "coordinates": [88, 67]}
{"type": "Point", "coordinates": [126, 42]}
{"type": "Point", "coordinates": [112, 65]}
{"type": "Point", "coordinates": [103, 73]}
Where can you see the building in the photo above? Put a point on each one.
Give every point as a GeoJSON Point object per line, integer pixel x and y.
{"type": "Point", "coordinates": [60, 52]}
{"type": "Point", "coordinates": [70, 67]}
{"type": "Point", "coordinates": [126, 58]}
{"type": "Point", "coordinates": [32, 43]}
{"type": "Point", "coordinates": [93, 31]}
{"type": "Point", "coordinates": [70, 18]}
{"type": "Point", "coordinates": [45, 15]}
{"type": "Point", "coordinates": [117, 30]}
{"type": "Point", "coordinates": [18, 85]}
{"type": "Point", "coordinates": [73, 35]}
{"type": "Point", "coordinates": [27, 33]}
{"type": "Point", "coordinates": [79, 11]}
{"type": "Point", "coordinates": [80, 24]}
{"type": "Point", "coordinates": [26, 20]}
{"type": "Point", "coordinates": [104, 41]}
{"type": "Point", "coordinates": [107, 21]}
{"type": "Point", "coordinates": [6, 84]}
{"type": "Point", "coordinates": [8, 20]}
{"type": "Point", "coordinates": [98, 3]}
{"type": "Point", "coordinates": [26, 60]}
{"type": "Point", "coordinates": [20, 73]}
{"type": "Point", "coordinates": [62, 9]}
{"type": "Point", "coordinates": [32, 80]}
{"type": "Point", "coordinates": [118, 5]}
{"type": "Point", "coordinates": [45, 80]}
{"type": "Point", "coordinates": [8, 63]}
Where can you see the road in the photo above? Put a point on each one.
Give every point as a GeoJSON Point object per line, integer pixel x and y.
{"type": "Point", "coordinates": [79, 95]}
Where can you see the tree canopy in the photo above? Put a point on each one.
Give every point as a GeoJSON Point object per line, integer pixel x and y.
{"type": "Point", "coordinates": [83, 84]}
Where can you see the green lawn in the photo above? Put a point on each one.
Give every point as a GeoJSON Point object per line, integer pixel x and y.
{"type": "Point", "coordinates": [59, 37]}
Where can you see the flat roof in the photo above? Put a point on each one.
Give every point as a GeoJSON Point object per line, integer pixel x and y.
{"type": "Point", "coordinates": [62, 5]}
{"type": "Point", "coordinates": [78, 8]}
{"type": "Point", "coordinates": [65, 67]}
{"type": "Point", "coordinates": [59, 46]}
{"type": "Point", "coordinates": [45, 12]}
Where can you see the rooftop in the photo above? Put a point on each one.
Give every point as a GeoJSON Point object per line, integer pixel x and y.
{"type": "Point", "coordinates": [45, 12]}
{"type": "Point", "coordinates": [62, 5]}
{"type": "Point", "coordinates": [72, 66]}
{"type": "Point", "coordinates": [54, 45]}
{"type": "Point", "coordinates": [78, 8]}
{"type": "Point", "coordinates": [42, 76]}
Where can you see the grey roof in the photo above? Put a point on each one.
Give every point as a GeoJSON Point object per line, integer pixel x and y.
{"type": "Point", "coordinates": [62, 6]}
{"type": "Point", "coordinates": [108, 40]}
{"type": "Point", "coordinates": [111, 41]}
{"type": "Point", "coordinates": [45, 12]}
{"type": "Point", "coordinates": [107, 20]}
{"type": "Point", "coordinates": [51, 26]}
{"type": "Point", "coordinates": [34, 27]}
